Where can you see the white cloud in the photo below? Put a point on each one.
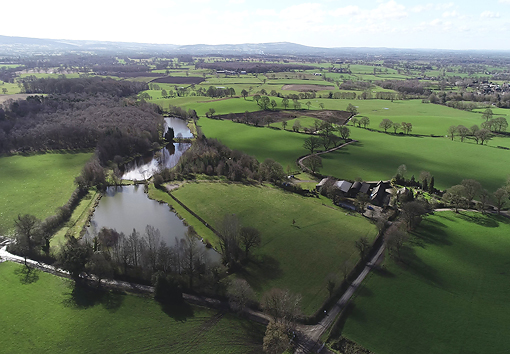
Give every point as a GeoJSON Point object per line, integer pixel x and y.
{"type": "Point", "coordinates": [504, 1]}
{"type": "Point", "coordinates": [446, 6]}
{"type": "Point", "coordinates": [489, 14]}
{"type": "Point", "coordinates": [350, 10]}
{"type": "Point", "coordinates": [390, 10]}
{"type": "Point", "coordinates": [421, 8]}
{"type": "Point", "coordinates": [303, 14]}
{"type": "Point", "coordinates": [451, 14]}
{"type": "Point", "coordinates": [236, 1]}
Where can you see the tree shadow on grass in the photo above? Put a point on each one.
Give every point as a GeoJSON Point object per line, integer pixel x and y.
{"type": "Point", "coordinates": [383, 272]}
{"type": "Point", "coordinates": [350, 311]}
{"type": "Point", "coordinates": [261, 269]}
{"type": "Point", "coordinates": [82, 296]}
{"type": "Point", "coordinates": [178, 310]}
{"type": "Point", "coordinates": [482, 220]}
{"type": "Point", "coordinates": [27, 275]}
{"type": "Point", "coordinates": [432, 232]}
{"type": "Point", "coordinates": [415, 265]}
{"type": "Point", "coordinates": [363, 291]}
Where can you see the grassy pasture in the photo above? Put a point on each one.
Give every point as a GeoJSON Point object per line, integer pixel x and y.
{"type": "Point", "coordinates": [47, 314]}
{"type": "Point", "coordinates": [452, 298]}
{"type": "Point", "coordinates": [36, 184]}
{"type": "Point", "coordinates": [11, 88]}
{"type": "Point", "coordinates": [261, 142]}
{"type": "Point", "coordinates": [426, 118]}
{"type": "Point", "coordinates": [298, 257]}
{"type": "Point", "coordinates": [377, 155]}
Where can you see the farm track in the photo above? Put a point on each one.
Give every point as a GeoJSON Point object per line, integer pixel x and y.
{"type": "Point", "coordinates": [301, 159]}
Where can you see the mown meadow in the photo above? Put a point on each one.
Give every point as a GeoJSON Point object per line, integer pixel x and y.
{"type": "Point", "coordinates": [449, 296]}
{"type": "Point", "coordinates": [36, 184]}
{"type": "Point", "coordinates": [42, 313]}
{"type": "Point", "coordinates": [375, 155]}
{"type": "Point", "coordinates": [303, 239]}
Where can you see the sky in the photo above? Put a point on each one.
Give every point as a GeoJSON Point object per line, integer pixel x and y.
{"type": "Point", "coordinates": [468, 24]}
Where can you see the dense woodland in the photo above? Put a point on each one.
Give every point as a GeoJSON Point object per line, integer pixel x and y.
{"type": "Point", "coordinates": [78, 114]}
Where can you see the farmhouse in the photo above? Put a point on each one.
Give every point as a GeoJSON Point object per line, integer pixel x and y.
{"type": "Point", "coordinates": [380, 195]}
{"type": "Point", "coordinates": [344, 186]}
{"type": "Point", "coordinates": [359, 187]}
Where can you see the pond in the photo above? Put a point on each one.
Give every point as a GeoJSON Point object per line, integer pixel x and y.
{"type": "Point", "coordinates": [126, 208]}
{"type": "Point", "coordinates": [145, 166]}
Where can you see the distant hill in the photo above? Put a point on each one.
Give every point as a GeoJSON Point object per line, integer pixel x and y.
{"type": "Point", "coordinates": [25, 45]}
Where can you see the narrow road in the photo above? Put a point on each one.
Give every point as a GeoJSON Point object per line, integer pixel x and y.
{"type": "Point", "coordinates": [309, 338]}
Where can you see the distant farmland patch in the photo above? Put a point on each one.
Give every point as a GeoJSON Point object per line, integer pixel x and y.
{"type": "Point", "coordinates": [307, 88]}
{"type": "Point", "coordinates": [251, 67]}
{"type": "Point", "coordinates": [179, 80]}
{"type": "Point", "coordinates": [18, 96]}
{"type": "Point", "coordinates": [278, 116]}
{"type": "Point", "coordinates": [136, 74]}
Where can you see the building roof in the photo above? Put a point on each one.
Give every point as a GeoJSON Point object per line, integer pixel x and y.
{"type": "Point", "coordinates": [365, 187]}
{"type": "Point", "coordinates": [356, 185]}
{"type": "Point", "coordinates": [322, 182]}
{"type": "Point", "coordinates": [344, 186]}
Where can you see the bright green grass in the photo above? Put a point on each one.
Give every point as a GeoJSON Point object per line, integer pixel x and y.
{"type": "Point", "coordinates": [11, 88]}
{"type": "Point", "coordinates": [77, 221]}
{"type": "Point", "coordinates": [453, 298]}
{"type": "Point", "coordinates": [36, 184]}
{"type": "Point", "coordinates": [44, 317]}
{"type": "Point", "coordinates": [298, 257]}
{"type": "Point", "coordinates": [9, 66]}
{"type": "Point", "coordinates": [426, 118]}
{"type": "Point", "coordinates": [377, 155]}
{"type": "Point", "coordinates": [261, 142]}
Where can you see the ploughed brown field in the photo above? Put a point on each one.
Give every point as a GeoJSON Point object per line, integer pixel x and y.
{"type": "Point", "coordinates": [307, 88]}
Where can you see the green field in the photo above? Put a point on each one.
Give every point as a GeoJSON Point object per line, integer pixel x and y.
{"type": "Point", "coordinates": [298, 257]}
{"type": "Point", "coordinates": [47, 314]}
{"type": "Point", "coordinates": [452, 298]}
{"type": "Point", "coordinates": [36, 184]}
{"type": "Point", "coordinates": [377, 156]}
{"type": "Point", "coordinates": [261, 142]}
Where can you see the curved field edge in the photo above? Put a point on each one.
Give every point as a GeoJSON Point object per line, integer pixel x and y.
{"type": "Point", "coordinates": [298, 256]}
{"type": "Point", "coordinates": [451, 298]}
{"type": "Point", "coordinates": [36, 184]}
{"type": "Point", "coordinates": [46, 314]}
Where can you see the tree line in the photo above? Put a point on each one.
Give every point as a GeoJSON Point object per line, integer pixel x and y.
{"type": "Point", "coordinates": [210, 157]}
